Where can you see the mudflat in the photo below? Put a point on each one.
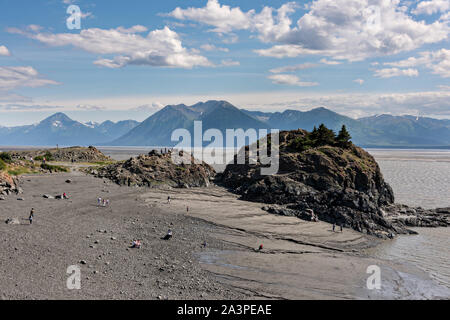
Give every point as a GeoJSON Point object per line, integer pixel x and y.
{"type": "Point", "coordinates": [213, 253]}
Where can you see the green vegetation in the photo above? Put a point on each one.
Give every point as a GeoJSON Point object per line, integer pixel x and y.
{"type": "Point", "coordinates": [48, 157]}
{"type": "Point", "coordinates": [20, 171]}
{"type": "Point", "coordinates": [53, 168]}
{"type": "Point", "coordinates": [6, 157]}
{"type": "Point", "coordinates": [322, 136]}
{"type": "Point", "coordinates": [2, 165]}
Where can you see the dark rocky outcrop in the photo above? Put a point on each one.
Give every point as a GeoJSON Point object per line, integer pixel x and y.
{"type": "Point", "coordinates": [340, 185]}
{"type": "Point", "coordinates": [75, 154]}
{"type": "Point", "coordinates": [155, 170]}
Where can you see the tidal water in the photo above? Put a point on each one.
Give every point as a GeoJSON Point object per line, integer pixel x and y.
{"type": "Point", "coordinates": [419, 178]}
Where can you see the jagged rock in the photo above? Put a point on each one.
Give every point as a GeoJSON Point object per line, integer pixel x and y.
{"type": "Point", "coordinates": [155, 170]}
{"type": "Point", "coordinates": [333, 184]}
{"type": "Point", "coordinates": [75, 154]}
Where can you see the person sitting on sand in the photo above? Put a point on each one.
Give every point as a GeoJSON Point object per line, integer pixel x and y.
{"type": "Point", "coordinates": [136, 244]}
{"type": "Point", "coordinates": [64, 196]}
{"type": "Point", "coordinates": [99, 201]}
{"type": "Point", "coordinates": [261, 247]}
{"type": "Point", "coordinates": [107, 202]}
{"type": "Point", "coordinates": [168, 235]}
{"type": "Point", "coordinates": [30, 218]}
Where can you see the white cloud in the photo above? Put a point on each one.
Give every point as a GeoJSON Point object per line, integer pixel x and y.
{"type": "Point", "coordinates": [359, 81]}
{"type": "Point", "coordinates": [432, 7]}
{"type": "Point", "coordinates": [285, 51]}
{"type": "Point", "coordinates": [396, 72]}
{"type": "Point", "coordinates": [343, 29]}
{"type": "Point", "coordinates": [330, 62]}
{"type": "Point", "coordinates": [160, 48]}
{"type": "Point", "coordinates": [297, 67]}
{"type": "Point", "coordinates": [88, 107]}
{"type": "Point", "coordinates": [223, 18]}
{"type": "Point", "coordinates": [4, 51]}
{"type": "Point", "coordinates": [211, 47]}
{"type": "Point", "coordinates": [437, 61]}
{"type": "Point", "coordinates": [16, 77]}
{"type": "Point", "coordinates": [230, 63]}
{"type": "Point", "coordinates": [289, 79]}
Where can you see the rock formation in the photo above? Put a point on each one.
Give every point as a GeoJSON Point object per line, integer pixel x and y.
{"type": "Point", "coordinates": [341, 185]}
{"type": "Point", "coordinates": [8, 185]}
{"type": "Point", "coordinates": [156, 169]}
{"type": "Point", "coordinates": [75, 154]}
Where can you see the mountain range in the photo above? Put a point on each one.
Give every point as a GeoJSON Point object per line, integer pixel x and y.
{"type": "Point", "coordinates": [156, 130]}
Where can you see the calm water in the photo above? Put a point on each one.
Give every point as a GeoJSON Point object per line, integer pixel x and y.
{"type": "Point", "coordinates": [419, 178]}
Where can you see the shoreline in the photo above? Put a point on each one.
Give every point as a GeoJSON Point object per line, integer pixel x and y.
{"type": "Point", "coordinates": [300, 260]}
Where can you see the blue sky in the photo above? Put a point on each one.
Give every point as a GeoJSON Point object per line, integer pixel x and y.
{"type": "Point", "coordinates": [129, 59]}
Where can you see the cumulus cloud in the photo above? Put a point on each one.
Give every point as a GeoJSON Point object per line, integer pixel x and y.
{"type": "Point", "coordinates": [289, 79]}
{"type": "Point", "coordinates": [211, 47]}
{"type": "Point", "coordinates": [160, 48]}
{"type": "Point", "coordinates": [343, 29]}
{"type": "Point", "coordinates": [329, 62]}
{"type": "Point", "coordinates": [396, 72]}
{"type": "Point", "coordinates": [436, 61]}
{"type": "Point", "coordinates": [293, 68]}
{"type": "Point", "coordinates": [4, 51]}
{"type": "Point", "coordinates": [432, 7]}
{"type": "Point", "coordinates": [430, 103]}
{"type": "Point", "coordinates": [229, 63]}
{"type": "Point", "coordinates": [223, 18]}
{"type": "Point", "coordinates": [359, 81]}
{"type": "Point", "coordinates": [16, 77]}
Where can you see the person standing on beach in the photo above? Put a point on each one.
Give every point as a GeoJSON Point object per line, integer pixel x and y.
{"type": "Point", "coordinates": [30, 218]}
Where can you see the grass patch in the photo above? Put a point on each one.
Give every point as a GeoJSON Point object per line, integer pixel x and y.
{"type": "Point", "coordinates": [2, 165]}
{"type": "Point", "coordinates": [54, 168]}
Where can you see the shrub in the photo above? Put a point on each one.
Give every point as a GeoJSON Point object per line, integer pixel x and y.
{"type": "Point", "coordinates": [48, 157]}
{"type": "Point", "coordinates": [2, 165]}
{"type": "Point", "coordinates": [6, 157]}
{"type": "Point", "coordinates": [53, 168]}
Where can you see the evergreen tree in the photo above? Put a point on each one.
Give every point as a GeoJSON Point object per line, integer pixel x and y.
{"type": "Point", "coordinates": [325, 136]}
{"type": "Point", "coordinates": [343, 138]}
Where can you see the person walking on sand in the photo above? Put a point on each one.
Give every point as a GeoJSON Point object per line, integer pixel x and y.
{"type": "Point", "coordinates": [334, 226]}
{"type": "Point", "coordinates": [30, 218]}
{"type": "Point", "coordinates": [341, 225]}
{"type": "Point", "coordinates": [168, 200]}
{"type": "Point", "coordinates": [187, 210]}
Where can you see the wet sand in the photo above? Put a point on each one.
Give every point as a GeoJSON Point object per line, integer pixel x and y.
{"type": "Point", "coordinates": [300, 260]}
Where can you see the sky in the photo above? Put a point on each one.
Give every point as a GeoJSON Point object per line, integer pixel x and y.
{"type": "Point", "coordinates": [128, 59]}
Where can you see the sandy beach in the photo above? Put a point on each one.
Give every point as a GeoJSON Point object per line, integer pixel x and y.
{"type": "Point", "coordinates": [300, 260]}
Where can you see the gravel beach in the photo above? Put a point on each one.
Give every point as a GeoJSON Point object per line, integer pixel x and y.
{"type": "Point", "coordinates": [300, 260]}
